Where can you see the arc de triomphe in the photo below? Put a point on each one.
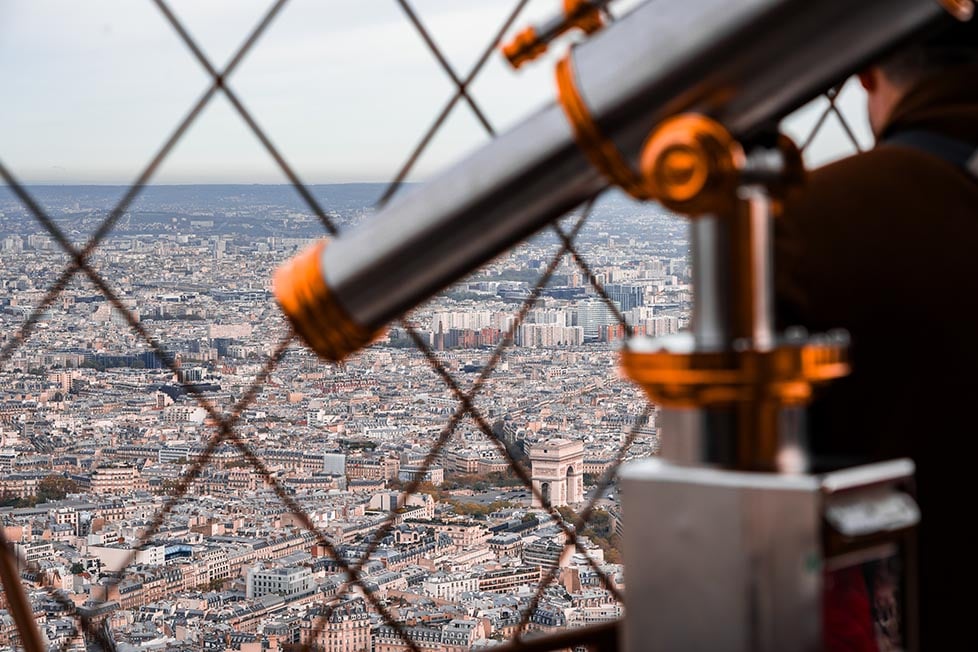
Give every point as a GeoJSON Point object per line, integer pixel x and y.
{"type": "Point", "coordinates": [557, 470]}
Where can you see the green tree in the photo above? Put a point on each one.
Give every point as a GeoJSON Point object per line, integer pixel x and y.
{"type": "Point", "coordinates": [481, 482]}
{"type": "Point", "coordinates": [168, 486]}
{"type": "Point", "coordinates": [9, 500]}
{"type": "Point", "coordinates": [55, 487]}
{"type": "Point", "coordinates": [600, 522]}
{"type": "Point", "coordinates": [435, 492]}
{"type": "Point", "coordinates": [479, 510]}
{"type": "Point", "coordinates": [77, 568]}
{"type": "Point", "coordinates": [566, 513]}
{"type": "Point", "coordinates": [600, 530]}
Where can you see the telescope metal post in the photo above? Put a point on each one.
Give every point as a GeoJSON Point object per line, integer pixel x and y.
{"type": "Point", "coordinates": [732, 277]}
{"type": "Point", "coordinates": [740, 537]}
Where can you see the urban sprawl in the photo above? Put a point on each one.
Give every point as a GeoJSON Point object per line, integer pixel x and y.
{"type": "Point", "coordinates": [97, 431]}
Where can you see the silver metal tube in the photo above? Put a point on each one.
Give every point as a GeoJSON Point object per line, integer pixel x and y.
{"type": "Point", "coordinates": [717, 245]}
{"type": "Point", "coordinates": [762, 268]}
{"type": "Point", "coordinates": [734, 298]}
{"type": "Point", "coordinates": [744, 62]}
{"type": "Point", "coordinates": [711, 270]}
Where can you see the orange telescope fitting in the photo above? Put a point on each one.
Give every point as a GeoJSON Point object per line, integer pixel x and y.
{"type": "Point", "coordinates": [584, 15]}
{"type": "Point", "coordinates": [314, 311]}
{"type": "Point", "coordinates": [525, 46]}
{"type": "Point", "coordinates": [691, 164]}
{"type": "Point", "coordinates": [532, 41]}
{"type": "Point", "coordinates": [963, 10]}
{"type": "Point", "coordinates": [687, 378]}
{"type": "Point", "coordinates": [599, 150]}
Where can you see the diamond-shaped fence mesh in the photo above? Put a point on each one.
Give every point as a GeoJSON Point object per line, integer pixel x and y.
{"type": "Point", "coordinates": [350, 563]}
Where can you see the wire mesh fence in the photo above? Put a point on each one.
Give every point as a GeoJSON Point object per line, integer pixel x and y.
{"type": "Point", "coordinates": [92, 626]}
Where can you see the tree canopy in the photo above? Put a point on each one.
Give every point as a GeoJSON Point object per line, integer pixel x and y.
{"type": "Point", "coordinates": [55, 487]}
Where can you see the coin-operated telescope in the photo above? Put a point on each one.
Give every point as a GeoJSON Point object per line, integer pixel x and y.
{"type": "Point", "coordinates": [729, 542]}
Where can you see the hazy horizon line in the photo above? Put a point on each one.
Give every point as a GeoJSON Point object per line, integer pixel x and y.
{"type": "Point", "coordinates": [235, 183]}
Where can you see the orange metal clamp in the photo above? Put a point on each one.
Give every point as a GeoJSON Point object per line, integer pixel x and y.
{"type": "Point", "coordinates": [530, 43]}
{"type": "Point", "coordinates": [600, 151]}
{"type": "Point", "coordinates": [314, 311]}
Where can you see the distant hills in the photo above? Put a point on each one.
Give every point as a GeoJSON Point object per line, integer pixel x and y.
{"type": "Point", "coordinates": [259, 210]}
{"type": "Point", "coordinates": [154, 196]}
{"type": "Point", "coordinates": [255, 210]}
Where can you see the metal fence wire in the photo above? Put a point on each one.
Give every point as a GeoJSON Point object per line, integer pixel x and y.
{"type": "Point", "coordinates": [94, 629]}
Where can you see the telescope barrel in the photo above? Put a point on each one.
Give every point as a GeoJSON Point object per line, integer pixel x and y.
{"type": "Point", "coordinates": [745, 63]}
{"type": "Point", "coordinates": [467, 215]}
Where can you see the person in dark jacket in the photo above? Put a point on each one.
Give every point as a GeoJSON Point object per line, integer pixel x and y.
{"type": "Point", "coordinates": [885, 245]}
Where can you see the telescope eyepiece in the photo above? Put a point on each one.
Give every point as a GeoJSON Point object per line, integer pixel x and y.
{"type": "Point", "coordinates": [313, 309]}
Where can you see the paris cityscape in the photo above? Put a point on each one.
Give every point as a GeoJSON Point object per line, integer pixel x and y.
{"type": "Point", "coordinates": [98, 429]}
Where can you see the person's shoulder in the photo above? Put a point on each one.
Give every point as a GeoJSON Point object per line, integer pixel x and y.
{"type": "Point", "coordinates": [865, 177]}
{"type": "Point", "coordinates": [862, 168]}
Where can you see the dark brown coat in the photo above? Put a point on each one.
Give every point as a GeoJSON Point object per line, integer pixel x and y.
{"type": "Point", "coordinates": [885, 245]}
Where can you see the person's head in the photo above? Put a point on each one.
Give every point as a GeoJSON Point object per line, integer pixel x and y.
{"type": "Point", "coordinates": [888, 80]}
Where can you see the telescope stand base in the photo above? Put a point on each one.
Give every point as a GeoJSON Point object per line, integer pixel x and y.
{"type": "Point", "coordinates": [738, 561]}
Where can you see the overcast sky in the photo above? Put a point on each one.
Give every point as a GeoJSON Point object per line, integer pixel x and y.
{"type": "Point", "coordinates": [344, 88]}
